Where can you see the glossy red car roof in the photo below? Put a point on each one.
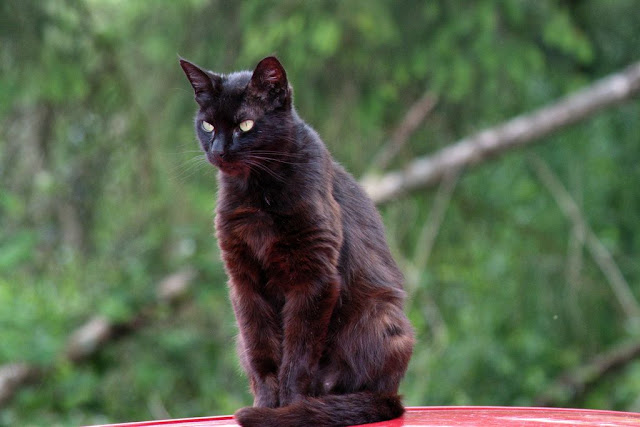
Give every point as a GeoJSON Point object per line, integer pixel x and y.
{"type": "Point", "coordinates": [452, 416]}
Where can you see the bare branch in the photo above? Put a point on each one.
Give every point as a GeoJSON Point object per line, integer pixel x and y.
{"type": "Point", "coordinates": [571, 385]}
{"type": "Point", "coordinates": [599, 252]}
{"type": "Point", "coordinates": [98, 331]}
{"type": "Point", "coordinates": [515, 133]}
{"type": "Point", "coordinates": [13, 376]}
{"type": "Point", "coordinates": [416, 114]}
{"type": "Point", "coordinates": [88, 338]}
{"type": "Point", "coordinates": [95, 334]}
{"type": "Point", "coordinates": [430, 231]}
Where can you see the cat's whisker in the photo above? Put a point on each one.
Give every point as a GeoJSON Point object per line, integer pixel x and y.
{"type": "Point", "coordinates": [185, 151]}
{"type": "Point", "coordinates": [268, 171]}
{"type": "Point", "coordinates": [261, 160]}
{"type": "Point", "coordinates": [186, 170]}
{"type": "Point", "coordinates": [273, 159]}
{"type": "Point", "coordinates": [260, 166]}
{"type": "Point", "coordinates": [282, 154]}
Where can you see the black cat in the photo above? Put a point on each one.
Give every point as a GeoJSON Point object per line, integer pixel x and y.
{"type": "Point", "coordinates": [316, 293]}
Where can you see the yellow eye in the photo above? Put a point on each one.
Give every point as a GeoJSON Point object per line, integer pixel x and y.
{"type": "Point", "coordinates": [246, 125]}
{"type": "Point", "coordinates": [207, 127]}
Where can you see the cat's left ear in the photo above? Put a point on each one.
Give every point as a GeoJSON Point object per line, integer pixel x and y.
{"type": "Point", "coordinates": [269, 83]}
{"type": "Point", "coordinates": [206, 85]}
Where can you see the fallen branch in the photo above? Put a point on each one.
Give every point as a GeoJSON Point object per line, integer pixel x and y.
{"type": "Point", "coordinates": [436, 217]}
{"type": "Point", "coordinates": [599, 252]}
{"type": "Point", "coordinates": [416, 114]}
{"type": "Point", "coordinates": [95, 334]}
{"type": "Point", "coordinates": [515, 133]}
{"type": "Point", "coordinates": [14, 376]}
{"type": "Point", "coordinates": [571, 386]}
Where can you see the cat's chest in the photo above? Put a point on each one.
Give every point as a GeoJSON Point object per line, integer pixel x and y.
{"type": "Point", "coordinates": [252, 226]}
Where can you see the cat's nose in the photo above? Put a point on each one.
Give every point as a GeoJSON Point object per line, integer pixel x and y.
{"type": "Point", "coordinates": [217, 154]}
{"type": "Point", "coordinates": [216, 157]}
{"type": "Point", "coordinates": [217, 148]}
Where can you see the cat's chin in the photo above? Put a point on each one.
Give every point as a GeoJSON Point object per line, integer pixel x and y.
{"type": "Point", "coordinates": [229, 168]}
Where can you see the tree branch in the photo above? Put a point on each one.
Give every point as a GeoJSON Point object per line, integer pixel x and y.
{"type": "Point", "coordinates": [416, 114]}
{"type": "Point", "coordinates": [432, 228]}
{"type": "Point", "coordinates": [515, 133]}
{"type": "Point", "coordinates": [98, 331]}
{"type": "Point", "coordinates": [599, 252]}
{"type": "Point", "coordinates": [95, 334]}
{"type": "Point", "coordinates": [14, 376]}
{"type": "Point", "coordinates": [575, 383]}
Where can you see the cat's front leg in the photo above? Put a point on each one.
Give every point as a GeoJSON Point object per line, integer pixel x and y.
{"type": "Point", "coordinates": [307, 313]}
{"type": "Point", "coordinates": [263, 382]}
{"type": "Point", "coordinates": [260, 332]}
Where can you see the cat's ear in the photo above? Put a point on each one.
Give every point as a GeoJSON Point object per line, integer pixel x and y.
{"type": "Point", "coordinates": [206, 85]}
{"type": "Point", "coordinates": [269, 82]}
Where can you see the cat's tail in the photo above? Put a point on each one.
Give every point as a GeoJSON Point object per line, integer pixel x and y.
{"type": "Point", "coordinates": [330, 410]}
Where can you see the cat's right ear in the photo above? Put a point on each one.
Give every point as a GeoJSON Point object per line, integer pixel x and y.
{"type": "Point", "coordinates": [206, 85]}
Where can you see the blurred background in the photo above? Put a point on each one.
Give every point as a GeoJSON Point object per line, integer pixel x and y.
{"type": "Point", "coordinates": [113, 303]}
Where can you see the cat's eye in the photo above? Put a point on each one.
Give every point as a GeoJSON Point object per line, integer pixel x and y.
{"type": "Point", "coordinates": [207, 127]}
{"type": "Point", "coordinates": [245, 126]}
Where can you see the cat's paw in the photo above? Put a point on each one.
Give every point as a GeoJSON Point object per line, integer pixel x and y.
{"type": "Point", "coordinates": [251, 416]}
{"type": "Point", "coordinates": [266, 392]}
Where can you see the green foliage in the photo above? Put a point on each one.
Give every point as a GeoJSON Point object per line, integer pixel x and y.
{"type": "Point", "coordinates": [104, 191]}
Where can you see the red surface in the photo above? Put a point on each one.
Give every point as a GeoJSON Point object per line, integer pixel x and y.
{"type": "Point", "coordinates": [451, 416]}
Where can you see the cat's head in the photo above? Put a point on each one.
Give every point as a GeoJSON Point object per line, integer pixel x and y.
{"type": "Point", "coordinates": [244, 117]}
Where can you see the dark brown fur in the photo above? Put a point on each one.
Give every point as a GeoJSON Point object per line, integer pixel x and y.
{"type": "Point", "coordinates": [316, 293]}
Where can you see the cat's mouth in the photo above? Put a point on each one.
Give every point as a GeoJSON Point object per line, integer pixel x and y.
{"type": "Point", "coordinates": [225, 165]}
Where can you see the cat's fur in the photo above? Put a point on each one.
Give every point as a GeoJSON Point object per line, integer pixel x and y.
{"type": "Point", "coordinates": [316, 293]}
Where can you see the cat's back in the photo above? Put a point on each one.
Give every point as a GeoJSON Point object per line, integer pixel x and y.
{"type": "Point", "coordinates": [365, 255]}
